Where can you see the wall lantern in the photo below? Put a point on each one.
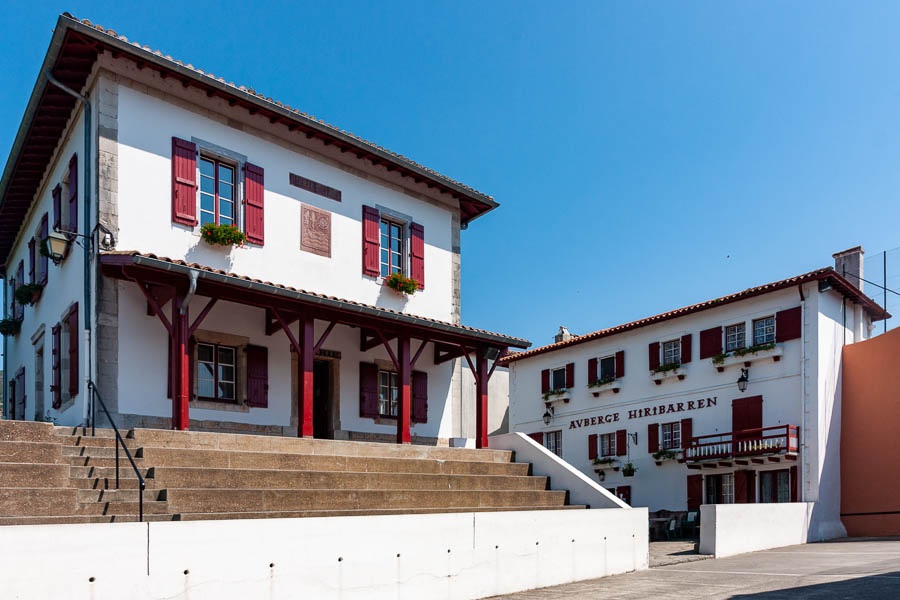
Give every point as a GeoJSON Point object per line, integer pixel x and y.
{"type": "Point", "coordinates": [548, 415]}
{"type": "Point", "coordinates": [743, 379]}
{"type": "Point", "coordinates": [57, 246]}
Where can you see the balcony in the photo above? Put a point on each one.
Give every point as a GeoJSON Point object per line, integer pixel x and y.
{"type": "Point", "coordinates": [774, 444]}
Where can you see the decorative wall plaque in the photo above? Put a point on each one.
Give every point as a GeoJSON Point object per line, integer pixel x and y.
{"type": "Point", "coordinates": [315, 187]}
{"type": "Point", "coordinates": [315, 230]}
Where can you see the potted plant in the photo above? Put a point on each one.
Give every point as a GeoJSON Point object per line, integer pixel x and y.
{"type": "Point", "coordinates": [552, 394]}
{"type": "Point", "coordinates": [10, 326]}
{"type": "Point", "coordinates": [222, 235]}
{"type": "Point", "coordinates": [628, 470]}
{"type": "Point", "coordinates": [603, 463]}
{"type": "Point", "coordinates": [28, 293]}
{"type": "Point", "coordinates": [662, 455]}
{"type": "Point", "coordinates": [401, 283]}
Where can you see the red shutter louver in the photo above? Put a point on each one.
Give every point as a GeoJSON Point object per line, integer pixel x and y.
{"type": "Point", "coordinates": [751, 487]}
{"type": "Point", "coordinates": [538, 437]}
{"type": "Point", "coordinates": [419, 397]}
{"type": "Point", "coordinates": [371, 243]}
{"type": "Point", "coordinates": [72, 323]}
{"type": "Point", "coordinates": [795, 488]}
{"type": "Point", "coordinates": [56, 382]}
{"type": "Point", "coordinates": [368, 390]}
{"type": "Point", "coordinates": [20, 280]}
{"type": "Point", "coordinates": [45, 261]}
{"type": "Point", "coordinates": [788, 324]}
{"type": "Point", "coordinates": [417, 254]}
{"type": "Point", "coordinates": [592, 370]}
{"type": "Point", "coordinates": [545, 381]}
{"type": "Point", "coordinates": [621, 443]}
{"type": "Point", "coordinates": [257, 376]}
{"type": "Point", "coordinates": [654, 355]}
{"type": "Point", "coordinates": [686, 349]}
{"type": "Point", "coordinates": [687, 432]}
{"type": "Point", "coordinates": [694, 492]}
{"type": "Point", "coordinates": [570, 375]}
{"type": "Point", "coordinates": [620, 364]}
{"type": "Point", "coordinates": [57, 207]}
{"type": "Point", "coordinates": [653, 438]}
{"type": "Point", "coordinates": [592, 446]}
{"type": "Point", "coordinates": [184, 182]}
{"type": "Point", "coordinates": [31, 260]}
{"type": "Point", "coordinates": [72, 225]}
{"type": "Point", "coordinates": [254, 204]}
{"type": "Point", "coordinates": [710, 342]}
{"type": "Point", "coordinates": [19, 399]}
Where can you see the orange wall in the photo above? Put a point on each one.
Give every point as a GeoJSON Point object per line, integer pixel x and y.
{"type": "Point", "coordinates": [870, 436]}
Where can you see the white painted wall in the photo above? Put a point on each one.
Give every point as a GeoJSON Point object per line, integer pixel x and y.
{"type": "Point", "coordinates": [464, 555]}
{"type": "Point", "coordinates": [729, 529]}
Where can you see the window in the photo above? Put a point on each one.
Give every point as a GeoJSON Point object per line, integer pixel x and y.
{"type": "Point", "coordinates": [720, 489]}
{"type": "Point", "coordinates": [735, 337]}
{"type": "Point", "coordinates": [607, 443]}
{"type": "Point", "coordinates": [728, 488]}
{"type": "Point", "coordinates": [672, 352]}
{"type": "Point", "coordinates": [775, 486]}
{"type": "Point", "coordinates": [553, 442]}
{"type": "Point", "coordinates": [671, 435]}
{"type": "Point", "coordinates": [391, 247]}
{"type": "Point", "coordinates": [217, 198]}
{"type": "Point", "coordinates": [607, 367]}
{"type": "Point", "coordinates": [763, 331]}
{"type": "Point", "coordinates": [388, 393]}
{"type": "Point", "coordinates": [216, 372]}
{"type": "Point", "coordinates": [558, 379]}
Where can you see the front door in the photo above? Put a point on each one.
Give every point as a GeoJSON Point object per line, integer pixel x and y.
{"type": "Point", "coordinates": [322, 400]}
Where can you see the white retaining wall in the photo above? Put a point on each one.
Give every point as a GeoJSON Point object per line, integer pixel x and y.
{"type": "Point", "coordinates": [727, 529]}
{"type": "Point", "coordinates": [463, 555]}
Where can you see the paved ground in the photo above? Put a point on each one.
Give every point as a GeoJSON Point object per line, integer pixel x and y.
{"type": "Point", "coordinates": [858, 568]}
{"type": "Point", "coordinates": [663, 554]}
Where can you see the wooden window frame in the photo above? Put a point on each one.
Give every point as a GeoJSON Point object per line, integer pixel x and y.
{"type": "Point", "coordinates": [401, 238]}
{"type": "Point", "coordinates": [393, 402]}
{"type": "Point", "coordinates": [610, 440]}
{"type": "Point", "coordinates": [775, 475]}
{"type": "Point", "coordinates": [740, 333]}
{"type": "Point", "coordinates": [768, 336]}
{"type": "Point", "coordinates": [665, 347]}
{"type": "Point", "coordinates": [553, 372]}
{"type": "Point", "coordinates": [668, 433]}
{"type": "Point", "coordinates": [600, 373]}
{"type": "Point", "coordinates": [234, 365]}
{"type": "Point", "coordinates": [235, 194]}
{"type": "Point", "coordinates": [553, 442]}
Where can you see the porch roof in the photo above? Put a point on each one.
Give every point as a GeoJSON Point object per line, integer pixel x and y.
{"type": "Point", "coordinates": [126, 264]}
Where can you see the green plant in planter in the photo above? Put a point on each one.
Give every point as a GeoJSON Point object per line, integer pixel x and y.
{"type": "Point", "coordinates": [719, 358]}
{"type": "Point", "coordinates": [402, 283]}
{"type": "Point", "coordinates": [553, 394]}
{"type": "Point", "coordinates": [628, 470]}
{"type": "Point", "coordinates": [10, 326]}
{"type": "Point", "coordinates": [603, 461]}
{"type": "Point", "coordinates": [28, 293]}
{"type": "Point", "coordinates": [602, 381]}
{"type": "Point", "coordinates": [754, 349]}
{"type": "Point", "coordinates": [222, 235]}
{"type": "Point", "coordinates": [45, 248]}
{"type": "Point", "coordinates": [663, 455]}
{"type": "Point", "coordinates": [666, 368]}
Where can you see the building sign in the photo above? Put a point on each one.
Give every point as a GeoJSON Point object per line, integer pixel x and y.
{"type": "Point", "coordinates": [649, 411]}
{"type": "Point", "coordinates": [315, 230]}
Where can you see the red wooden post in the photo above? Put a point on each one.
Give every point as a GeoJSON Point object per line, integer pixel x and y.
{"type": "Point", "coordinates": [181, 358]}
{"type": "Point", "coordinates": [481, 401]}
{"type": "Point", "coordinates": [405, 401]}
{"type": "Point", "coordinates": [305, 363]}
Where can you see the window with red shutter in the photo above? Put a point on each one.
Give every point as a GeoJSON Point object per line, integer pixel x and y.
{"type": "Point", "coordinates": [710, 342]}
{"type": "Point", "coordinates": [57, 207]}
{"type": "Point", "coordinates": [788, 324]}
{"type": "Point", "coordinates": [417, 254]}
{"type": "Point", "coordinates": [419, 397]}
{"type": "Point", "coordinates": [20, 280]}
{"type": "Point", "coordinates": [368, 390]}
{"type": "Point", "coordinates": [72, 324]}
{"type": "Point", "coordinates": [370, 241]}
{"type": "Point", "coordinates": [257, 376]}
{"type": "Point", "coordinates": [56, 374]}
{"type": "Point", "coordinates": [686, 348]}
{"type": "Point", "coordinates": [653, 438]}
{"type": "Point", "coordinates": [620, 364]}
{"type": "Point", "coordinates": [592, 370]}
{"type": "Point", "coordinates": [184, 182]}
{"type": "Point", "coordinates": [545, 381]}
{"type": "Point", "coordinates": [43, 234]}
{"type": "Point", "coordinates": [72, 223]}
{"type": "Point", "coordinates": [694, 492]}
{"type": "Point", "coordinates": [254, 204]}
{"type": "Point", "coordinates": [795, 489]}
{"type": "Point", "coordinates": [570, 375]}
{"type": "Point", "coordinates": [621, 443]}
{"type": "Point", "coordinates": [592, 446]}
{"type": "Point", "coordinates": [31, 264]}
{"type": "Point", "coordinates": [687, 432]}
{"type": "Point", "coordinates": [653, 352]}
{"type": "Point", "coordinates": [538, 437]}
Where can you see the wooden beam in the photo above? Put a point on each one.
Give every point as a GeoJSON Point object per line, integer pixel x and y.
{"type": "Point", "coordinates": [202, 315]}
{"type": "Point", "coordinates": [324, 336]}
{"type": "Point", "coordinates": [444, 352]}
{"type": "Point", "coordinates": [387, 346]}
{"type": "Point", "coordinates": [418, 353]}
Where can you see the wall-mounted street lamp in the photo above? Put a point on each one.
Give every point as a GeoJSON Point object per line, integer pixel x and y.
{"type": "Point", "coordinates": [58, 242]}
{"type": "Point", "coordinates": [743, 380]}
{"type": "Point", "coordinates": [548, 415]}
{"type": "Point", "coordinates": [633, 437]}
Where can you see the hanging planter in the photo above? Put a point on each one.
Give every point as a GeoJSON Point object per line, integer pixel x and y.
{"type": "Point", "coordinates": [10, 326]}
{"type": "Point", "coordinates": [628, 470]}
{"type": "Point", "coordinates": [402, 284]}
{"type": "Point", "coordinates": [29, 293]}
{"type": "Point", "coordinates": [222, 235]}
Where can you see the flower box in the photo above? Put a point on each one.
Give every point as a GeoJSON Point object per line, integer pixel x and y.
{"type": "Point", "coordinates": [401, 284]}
{"type": "Point", "coordinates": [667, 373]}
{"type": "Point", "coordinates": [222, 235]}
{"type": "Point", "coordinates": [555, 396]}
{"type": "Point", "coordinates": [602, 464]}
{"type": "Point", "coordinates": [600, 386]}
{"type": "Point", "coordinates": [746, 356]}
{"type": "Point", "coordinates": [28, 294]}
{"type": "Point", "coordinates": [10, 326]}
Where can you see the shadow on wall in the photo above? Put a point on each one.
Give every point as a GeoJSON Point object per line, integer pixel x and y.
{"type": "Point", "coordinates": [504, 424]}
{"type": "Point", "coordinates": [883, 585]}
{"type": "Point", "coordinates": [825, 521]}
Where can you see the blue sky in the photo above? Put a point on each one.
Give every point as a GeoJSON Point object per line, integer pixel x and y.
{"type": "Point", "coordinates": [646, 155]}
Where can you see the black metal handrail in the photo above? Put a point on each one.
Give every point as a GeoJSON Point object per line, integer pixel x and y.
{"type": "Point", "coordinates": [119, 440]}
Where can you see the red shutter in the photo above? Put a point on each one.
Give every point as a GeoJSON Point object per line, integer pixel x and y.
{"type": "Point", "coordinates": [169, 367]}
{"type": "Point", "coordinates": [788, 324]}
{"type": "Point", "coordinates": [592, 370]}
{"type": "Point", "coordinates": [751, 487]}
{"type": "Point", "coordinates": [368, 390]}
{"type": "Point", "coordinates": [257, 376]}
{"type": "Point", "coordinates": [592, 446]}
{"type": "Point", "coordinates": [72, 319]}
{"type": "Point", "coordinates": [538, 437]}
{"type": "Point", "coordinates": [694, 492]}
{"type": "Point", "coordinates": [20, 280]}
{"type": "Point", "coordinates": [184, 182]}
{"type": "Point", "coordinates": [624, 493]}
{"type": "Point", "coordinates": [653, 438]}
{"type": "Point", "coordinates": [710, 342]}
{"type": "Point", "coordinates": [419, 397]}
{"type": "Point", "coordinates": [620, 364]}
{"type": "Point", "coordinates": [795, 490]}
{"type": "Point", "coordinates": [740, 487]}
{"type": "Point", "coordinates": [72, 225]}
{"type": "Point", "coordinates": [545, 381]}
{"type": "Point", "coordinates": [254, 204]}
{"type": "Point", "coordinates": [57, 207]}
{"type": "Point", "coordinates": [417, 254]}
{"type": "Point", "coordinates": [192, 343]}
{"type": "Point", "coordinates": [31, 260]}
{"type": "Point", "coordinates": [687, 432]}
{"type": "Point", "coordinates": [621, 443]}
{"type": "Point", "coordinates": [686, 349]}
{"type": "Point", "coordinates": [746, 413]}
{"type": "Point", "coordinates": [654, 355]}
{"type": "Point", "coordinates": [45, 261]}
{"type": "Point", "coordinates": [56, 385]}
{"type": "Point", "coordinates": [371, 243]}
{"type": "Point", "coordinates": [20, 393]}
{"type": "Point", "coordinates": [570, 375]}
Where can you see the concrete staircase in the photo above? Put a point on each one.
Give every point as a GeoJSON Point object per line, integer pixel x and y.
{"type": "Point", "coordinates": [63, 475]}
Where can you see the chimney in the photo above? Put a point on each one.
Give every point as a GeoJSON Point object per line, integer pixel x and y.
{"type": "Point", "coordinates": [849, 265]}
{"type": "Point", "coordinates": [562, 335]}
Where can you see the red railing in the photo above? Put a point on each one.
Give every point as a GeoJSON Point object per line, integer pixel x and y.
{"type": "Point", "coordinates": [747, 442]}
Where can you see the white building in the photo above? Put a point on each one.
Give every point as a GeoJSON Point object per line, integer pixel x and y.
{"type": "Point", "coordinates": [662, 395]}
{"type": "Point", "coordinates": [128, 153]}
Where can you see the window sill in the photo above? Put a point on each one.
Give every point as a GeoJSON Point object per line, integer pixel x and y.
{"type": "Point", "coordinates": [603, 466]}
{"type": "Point", "coordinates": [613, 386]}
{"type": "Point", "coordinates": [556, 396]}
{"type": "Point", "coordinates": [774, 353]}
{"type": "Point", "coordinates": [660, 377]}
{"type": "Point", "coordinates": [219, 405]}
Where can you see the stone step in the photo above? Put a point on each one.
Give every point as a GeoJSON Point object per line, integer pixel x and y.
{"type": "Point", "coordinates": [95, 451]}
{"type": "Point", "coordinates": [163, 438]}
{"type": "Point", "coordinates": [151, 507]}
{"type": "Point", "coordinates": [103, 461]}
{"type": "Point", "coordinates": [79, 431]}
{"type": "Point", "coordinates": [34, 475]}
{"type": "Point", "coordinates": [243, 500]}
{"type": "Point", "coordinates": [109, 483]}
{"type": "Point", "coordinates": [294, 514]}
{"type": "Point", "coordinates": [183, 477]}
{"type": "Point", "coordinates": [120, 495]}
{"type": "Point", "coordinates": [79, 441]}
{"type": "Point", "coordinates": [125, 472]}
{"type": "Point", "coordinates": [36, 501]}
{"type": "Point", "coordinates": [173, 457]}
{"type": "Point", "coordinates": [73, 519]}
{"type": "Point", "coordinates": [26, 431]}
{"type": "Point", "coordinates": [34, 452]}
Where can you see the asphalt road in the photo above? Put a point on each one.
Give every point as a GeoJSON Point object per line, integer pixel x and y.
{"type": "Point", "coordinates": [852, 568]}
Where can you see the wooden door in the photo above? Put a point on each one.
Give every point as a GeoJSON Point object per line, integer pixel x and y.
{"type": "Point", "coordinates": [694, 492]}
{"type": "Point", "coordinates": [746, 413]}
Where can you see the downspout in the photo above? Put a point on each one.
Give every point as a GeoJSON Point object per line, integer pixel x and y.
{"type": "Point", "coordinates": [192, 289]}
{"type": "Point", "coordinates": [803, 445]}
{"type": "Point", "coordinates": [88, 248]}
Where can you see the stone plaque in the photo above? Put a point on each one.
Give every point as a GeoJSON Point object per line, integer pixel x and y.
{"type": "Point", "coordinates": [315, 230]}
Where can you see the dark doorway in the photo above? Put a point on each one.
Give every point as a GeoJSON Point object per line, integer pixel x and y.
{"type": "Point", "coordinates": [322, 400]}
